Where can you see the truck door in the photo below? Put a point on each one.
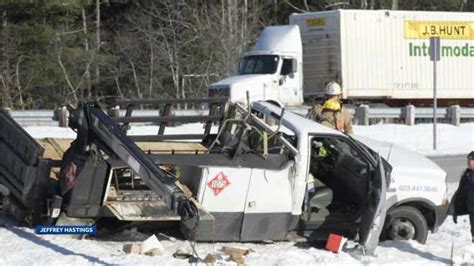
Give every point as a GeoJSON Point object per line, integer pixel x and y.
{"type": "Point", "coordinates": [267, 213]}
{"type": "Point", "coordinates": [373, 217]}
{"type": "Point", "coordinates": [290, 91]}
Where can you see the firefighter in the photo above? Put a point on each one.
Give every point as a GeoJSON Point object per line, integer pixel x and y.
{"type": "Point", "coordinates": [331, 113]}
{"type": "Point", "coordinates": [463, 200]}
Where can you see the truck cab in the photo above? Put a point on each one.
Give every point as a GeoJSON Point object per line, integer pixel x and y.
{"type": "Point", "coordinates": [271, 71]}
{"type": "Point", "coordinates": [398, 194]}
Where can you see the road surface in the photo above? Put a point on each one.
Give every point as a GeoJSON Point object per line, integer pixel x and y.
{"type": "Point", "coordinates": [454, 165]}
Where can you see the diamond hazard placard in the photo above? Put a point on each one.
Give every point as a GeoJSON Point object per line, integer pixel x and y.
{"type": "Point", "coordinates": [218, 183]}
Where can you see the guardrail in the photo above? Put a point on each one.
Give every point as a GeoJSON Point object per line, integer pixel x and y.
{"type": "Point", "coordinates": [362, 115]}
{"type": "Point", "coordinates": [411, 115]}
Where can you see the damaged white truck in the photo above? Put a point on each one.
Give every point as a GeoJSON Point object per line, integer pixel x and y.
{"type": "Point", "coordinates": [251, 181]}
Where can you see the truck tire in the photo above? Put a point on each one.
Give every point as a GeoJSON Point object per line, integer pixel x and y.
{"type": "Point", "coordinates": [405, 223]}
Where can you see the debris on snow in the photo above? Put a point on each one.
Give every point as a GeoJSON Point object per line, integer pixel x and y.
{"type": "Point", "coordinates": [152, 246]}
{"type": "Point", "coordinates": [181, 254]}
{"type": "Point", "coordinates": [237, 254]}
{"type": "Point", "coordinates": [211, 259]}
{"type": "Point", "coordinates": [335, 243]}
{"type": "Point", "coordinates": [236, 251]}
{"type": "Point", "coordinates": [134, 248]}
{"type": "Point", "coordinates": [237, 258]}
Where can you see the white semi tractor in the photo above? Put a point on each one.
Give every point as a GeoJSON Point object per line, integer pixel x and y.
{"type": "Point", "coordinates": [376, 55]}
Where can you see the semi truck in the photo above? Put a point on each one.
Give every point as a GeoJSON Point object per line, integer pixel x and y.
{"type": "Point", "coordinates": [378, 56]}
{"type": "Point", "coordinates": [252, 180]}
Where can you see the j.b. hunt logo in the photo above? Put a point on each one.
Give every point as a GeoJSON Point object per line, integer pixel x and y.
{"type": "Point", "coordinates": [447, 31]}
{"type": "Point", "coordinates": [218, 183]}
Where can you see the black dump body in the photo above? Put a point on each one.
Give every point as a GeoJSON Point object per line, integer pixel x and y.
{"type": "Point", "coordinates": [23, 171]}
{"type": "Point", "coordinates": [35, 189]}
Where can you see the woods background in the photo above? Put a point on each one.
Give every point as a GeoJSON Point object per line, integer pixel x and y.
{"type": "Point", "coordinates": [63, 51]}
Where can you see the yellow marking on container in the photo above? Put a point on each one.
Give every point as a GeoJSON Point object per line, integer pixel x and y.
{"type": "Point", "coordinates": [457, 30]}
{"type": "Point", "coordinates": [316, 22]}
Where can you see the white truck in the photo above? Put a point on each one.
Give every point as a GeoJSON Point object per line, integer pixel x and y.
{"type": "Point", "coordinates": [377, 55]}
{"type": "Point", "coordinates": [293, 175]}
{"type": "Point", "coordinates": [405, 194]}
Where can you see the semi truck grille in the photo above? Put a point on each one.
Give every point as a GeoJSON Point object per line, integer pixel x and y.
{"type": "Point", "coordinates": [219, 92]}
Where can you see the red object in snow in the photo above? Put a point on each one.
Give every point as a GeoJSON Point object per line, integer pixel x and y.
{"type": "Point", "coordinates": [335, 243]}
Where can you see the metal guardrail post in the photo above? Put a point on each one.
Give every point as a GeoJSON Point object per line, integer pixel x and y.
{"type": "Point", "coordinates": [167, 111]}
{"type": "Point", "coordinates": [114, 112]}
{"type": "Point", "coordinates": [8, 110]}
{"type": "Point", "coordinates": [63, 117]}
{"type": "Point", "coordinates": [408, 114]}
{"type": "Point", "coordinates": [362, 115]}
{"type": "Point", "coordinates": [454, 115]}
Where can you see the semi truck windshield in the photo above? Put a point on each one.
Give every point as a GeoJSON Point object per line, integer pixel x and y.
{"type": "Point", "coordinates": [259, 64]}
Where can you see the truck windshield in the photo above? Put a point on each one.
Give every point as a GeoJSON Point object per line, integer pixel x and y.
{"type": "Point", "coordinates": [259, 64]}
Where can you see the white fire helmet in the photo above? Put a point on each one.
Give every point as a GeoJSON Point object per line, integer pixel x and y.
{"type": "Point", "coordinates": [332, 88]}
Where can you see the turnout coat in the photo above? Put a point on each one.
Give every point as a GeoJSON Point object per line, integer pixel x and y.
{"type": "Point", "coordinates": [462, 202]}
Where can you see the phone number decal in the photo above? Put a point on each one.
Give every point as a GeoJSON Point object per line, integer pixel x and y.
{"type": "Point", "coordinates": [418, 188]}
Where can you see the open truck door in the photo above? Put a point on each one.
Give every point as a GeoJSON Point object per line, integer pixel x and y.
{"type": "Point", "coordinates": [373, 217]}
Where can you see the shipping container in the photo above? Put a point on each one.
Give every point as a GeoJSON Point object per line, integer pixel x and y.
{"type": "Point", "coordinates": [385, 54]}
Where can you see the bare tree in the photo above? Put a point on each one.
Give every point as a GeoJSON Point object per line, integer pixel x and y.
{"type": "Point", "coordinates": [176, 48]}
{"type": "Point", "coordinates": [74, 88]}
{"type": "Point", "coordinates": [5, 74]}
{"type": "Point", "coordinates": [394, 4]}
{"type": "Point", "coordinates": [97, 38]}
{"type": "Point", "coordinates": [86, 49]}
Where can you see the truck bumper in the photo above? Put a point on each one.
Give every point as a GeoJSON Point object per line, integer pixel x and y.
{"type": "Point", "coordinates": [441, 212]}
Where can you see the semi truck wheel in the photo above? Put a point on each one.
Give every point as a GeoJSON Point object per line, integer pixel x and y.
{"type": "Point", "coordinates": [405, 223]}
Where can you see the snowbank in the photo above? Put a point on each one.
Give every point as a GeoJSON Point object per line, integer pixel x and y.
{"type": "Point", "coordinates": [451, 139]}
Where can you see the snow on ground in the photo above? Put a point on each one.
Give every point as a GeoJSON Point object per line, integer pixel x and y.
{"type": "Point", "coordinates": [452, 140]}
{"type": "Point", "coordinates": [21, 246]}
{"type": "Point", "coordinates": [39, 132]}
{"type": "Point", "coordinates": [419, 138]}
{"type": "Point", "coordinates": [61, 132]}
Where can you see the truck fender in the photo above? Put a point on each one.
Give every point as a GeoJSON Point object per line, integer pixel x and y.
{"type": "Point", "coordinates": [275, 102]}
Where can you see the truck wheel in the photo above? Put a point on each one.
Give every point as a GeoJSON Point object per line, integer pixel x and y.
{"type": "Point", "coordinates": [405, 223]}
